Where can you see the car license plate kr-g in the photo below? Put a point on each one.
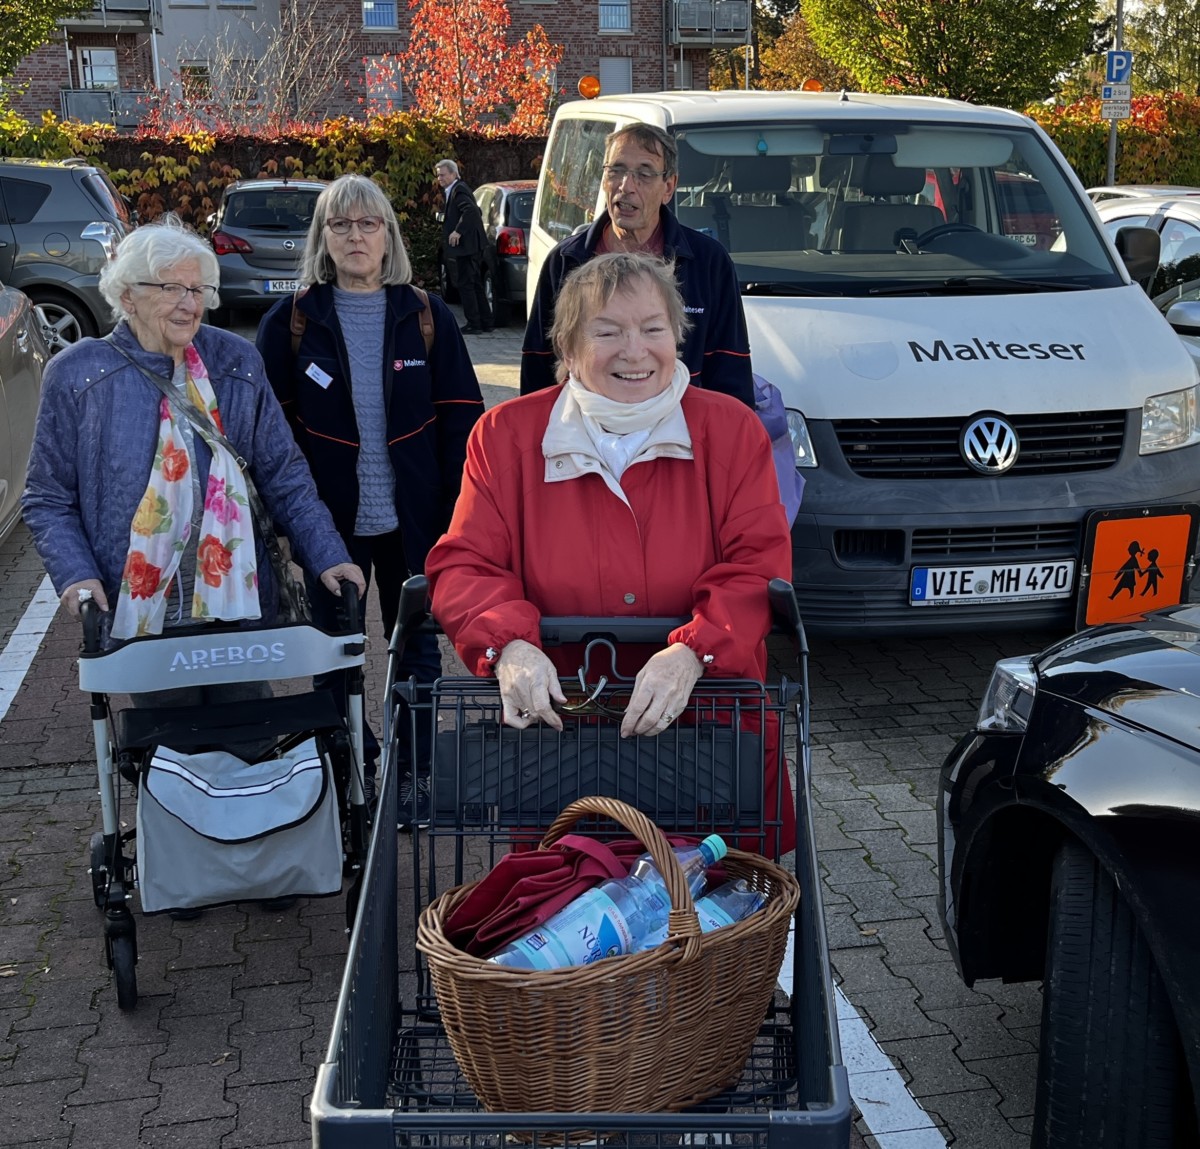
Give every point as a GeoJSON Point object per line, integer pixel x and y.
{"type": "Point", "coordinates": [283, 286]}
{"type": "Point", "coordinates": [1008, 582]}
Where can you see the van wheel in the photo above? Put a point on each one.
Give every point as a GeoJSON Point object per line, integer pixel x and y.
{"type": "Point", "coordinates": [1111, 1073]}
{"type": "Point", "coordinates": [62, 319]}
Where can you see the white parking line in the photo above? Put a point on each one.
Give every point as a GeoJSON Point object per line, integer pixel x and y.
{"type": "Point", "coordinates": [24, 641]}
{"type": "Point", "coordinates": [890, 1112]}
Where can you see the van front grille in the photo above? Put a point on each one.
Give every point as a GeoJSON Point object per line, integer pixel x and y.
{"type": "Point", "coordinates": [1058, 444]}
{"type": "Point", "coordinates": [1000, 542]}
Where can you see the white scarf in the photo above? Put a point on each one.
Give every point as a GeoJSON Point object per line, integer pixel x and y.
{"type": "Point", "coordinates": [577, 443]}
{"type": "Point", "coordinates": [622, 418]}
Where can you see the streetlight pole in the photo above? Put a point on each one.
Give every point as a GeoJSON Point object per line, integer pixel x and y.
{"type": "Point", "coordinates": [1118, 44]}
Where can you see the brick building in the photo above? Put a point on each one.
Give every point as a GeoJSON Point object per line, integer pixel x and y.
{"type": "Point", "coordinates": [105, 59]}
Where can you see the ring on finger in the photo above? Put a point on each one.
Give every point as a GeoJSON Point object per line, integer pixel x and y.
{"type": "Point", "coordinates": [523, 713]}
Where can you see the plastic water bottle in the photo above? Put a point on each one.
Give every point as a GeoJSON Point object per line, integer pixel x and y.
{"type": "Point", "coordinates": [727, 904]}
{"type": "Point", "coordinates": [611, 918]}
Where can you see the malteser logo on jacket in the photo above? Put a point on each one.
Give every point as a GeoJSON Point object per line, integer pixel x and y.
{"type": "Point", "coordinates": [254, 653]}
{"type": "Point", "coordinates": [977, 350]}
{"type": "Point", "coordinates": [400, 364]}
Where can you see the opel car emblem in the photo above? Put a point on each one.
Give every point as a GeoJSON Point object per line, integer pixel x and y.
{"type": "Point", "coordinates": [989, 445]}
{"type": "Point", "coordinates": [288, 244]}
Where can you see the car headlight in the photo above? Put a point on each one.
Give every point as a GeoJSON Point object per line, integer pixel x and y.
{"type": "Point", "coordinates": [1008, 700]}
{"type": "Point", "coordinates": [801, 443]}
{"type": "Point", "coordinates": [1169, 422]}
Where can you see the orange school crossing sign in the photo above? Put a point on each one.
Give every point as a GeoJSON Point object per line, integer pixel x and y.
{"type": "Point", "coordinates": [1137, 560]}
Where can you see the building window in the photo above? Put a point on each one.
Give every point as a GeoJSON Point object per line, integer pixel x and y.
{"type": "Point", "coordinates": [242, 82]}
{"type": "Point", "coordinates": [379, 13]}
{"type": "Point", "coordinates": [383, 84]}
{"type": "Point", "coordinates": [196, 80]}
{"type": "Point", "coordinates": [98, 68]}
{"type": "Point", "coordinates": [614, 17]}
{"type": "Point", "coordinates": [616, 75]}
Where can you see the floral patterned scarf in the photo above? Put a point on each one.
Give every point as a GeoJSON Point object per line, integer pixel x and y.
{"type": "Point", "coordinates": [226, 573]}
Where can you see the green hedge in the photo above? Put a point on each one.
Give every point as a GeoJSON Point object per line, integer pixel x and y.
{"type": "Point", "coordinates": [186, 172]}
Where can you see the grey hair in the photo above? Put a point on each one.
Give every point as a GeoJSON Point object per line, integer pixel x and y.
{"type": "Point", "coordinates": [651, 139]}
{"type": "Point", "coordinates": [449, 165]}
{"type": "Point", "coordinates": [347, 193]}
{"type": "Point", "coordinates": [149, 254]}
{"type": "Point", "coordinates": [591, 285]}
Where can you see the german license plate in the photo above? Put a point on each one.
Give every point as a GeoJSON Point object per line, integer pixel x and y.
{"type": "Point", "coordinates": [1009, 582]}
{"type": "Point", "coordinates": [283, 286]}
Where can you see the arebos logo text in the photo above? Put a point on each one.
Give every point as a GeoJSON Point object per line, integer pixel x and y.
{"type": "Point", "coordinates": [255, 653]}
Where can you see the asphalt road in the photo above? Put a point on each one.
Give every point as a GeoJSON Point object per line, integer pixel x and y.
{"type": "Point", "coordinates": [236, 1008]}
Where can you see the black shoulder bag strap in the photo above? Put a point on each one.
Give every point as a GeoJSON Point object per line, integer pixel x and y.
{"type": "Point", "coordinates": [293, 606]}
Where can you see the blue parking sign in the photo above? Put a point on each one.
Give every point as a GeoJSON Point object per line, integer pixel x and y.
{"type": "Point", "coordinates": [1119, 67]}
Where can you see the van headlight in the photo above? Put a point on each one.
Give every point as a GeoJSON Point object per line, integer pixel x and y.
{"type": "Point", "coordinates": [1008, 700]}
{"type": "Point", "coordinates": [801, 443]}
{"type": "Point", "coordinates": [1169, 422]}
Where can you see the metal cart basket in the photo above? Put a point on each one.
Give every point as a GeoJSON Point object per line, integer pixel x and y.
{"type": "Point", "coordinates": [389, 1077]}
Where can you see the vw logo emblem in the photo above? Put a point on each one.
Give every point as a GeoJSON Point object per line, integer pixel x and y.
{"type": "Point", "coordinates": [989, 445]}
{"type": "Point", "coordinates": [288, 244]}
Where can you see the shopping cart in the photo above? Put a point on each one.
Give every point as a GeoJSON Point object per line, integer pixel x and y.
{"type": "Point", "coordinates": [322, 750]}
{"type": "Point", "coordinates": [389, 1077]}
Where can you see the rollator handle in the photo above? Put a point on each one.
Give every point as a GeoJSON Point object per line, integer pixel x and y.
{"type": "Point", "coordinates": [92, 618]}
{"type": "Point", "coordinates": [351, 606]}
{"type": "Point", "coordinates": [412, 613]}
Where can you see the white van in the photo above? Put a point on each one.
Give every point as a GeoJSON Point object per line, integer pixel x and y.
{"type": "Point", "coordinates": [980, 395]}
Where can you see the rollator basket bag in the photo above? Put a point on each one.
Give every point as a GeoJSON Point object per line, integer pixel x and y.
{"type": "Point", "coordinates": [212, 828]}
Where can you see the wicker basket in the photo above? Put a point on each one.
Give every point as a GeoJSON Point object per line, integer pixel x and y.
{"type": "Point", "coordinates": [659, 1030]}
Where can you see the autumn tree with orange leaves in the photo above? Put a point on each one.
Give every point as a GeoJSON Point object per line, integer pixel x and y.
{"type": "Point", "coordinates": [463, 71]}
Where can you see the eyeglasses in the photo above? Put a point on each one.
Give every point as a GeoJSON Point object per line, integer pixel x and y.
{"type": "Point", "coordinates": [591, 703]}
{"type": "Point", "coordinates": [368, 225]}
{"type": "Point", "coordinates": [616, 173]}
{"type": "Point", "coordinates": [206, 296]}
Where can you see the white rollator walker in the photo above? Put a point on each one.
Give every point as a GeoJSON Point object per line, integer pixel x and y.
{"type": "Point", "coordinates": [290, 819]}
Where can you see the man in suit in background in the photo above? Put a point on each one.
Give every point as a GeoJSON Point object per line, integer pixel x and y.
{"type": "Point", "coordinates": [462, 231]}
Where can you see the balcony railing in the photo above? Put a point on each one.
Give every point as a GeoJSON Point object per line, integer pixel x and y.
{"type": "Point", "coordinates": [711, 22]}
{"type": "Point", "coordinates": [133, 15]}
{"type": "Point", "coordinates": [124, 109]}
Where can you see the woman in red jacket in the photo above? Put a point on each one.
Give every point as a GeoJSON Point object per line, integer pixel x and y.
{"type": "Point", "coordinates": [623, 492]}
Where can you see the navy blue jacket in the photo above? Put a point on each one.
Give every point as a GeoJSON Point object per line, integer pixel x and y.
{"type": "Point", "coordinates": [717, 348]}
{"type": "Point", "coordinates": [430, 406]}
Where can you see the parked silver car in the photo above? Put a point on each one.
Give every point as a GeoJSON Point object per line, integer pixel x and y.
{"type": "Point", "coordinates": [60, 223]}
{"type": "Point", "coordinates": [23, 354]}
{"type": "Point", "coordinates": [258, 232]}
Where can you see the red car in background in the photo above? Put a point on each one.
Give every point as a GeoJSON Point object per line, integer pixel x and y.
{"type": "Point", "coordinates": [1026, 213]}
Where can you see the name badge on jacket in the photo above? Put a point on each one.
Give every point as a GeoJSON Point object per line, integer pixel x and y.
{"type": "Point", "coordinates": [319, 377]}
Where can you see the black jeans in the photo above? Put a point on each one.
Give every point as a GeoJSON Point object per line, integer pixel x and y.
{"type": "Point", "coordinates": [422, 658]}
{"type": "Point", "coordinates": [469, 281]}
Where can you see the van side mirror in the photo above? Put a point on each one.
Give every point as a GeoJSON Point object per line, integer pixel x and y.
{"type": "Point", "coordinates": [1139, 249]}
{"type": "Point", "coordinates": [1185, 317]}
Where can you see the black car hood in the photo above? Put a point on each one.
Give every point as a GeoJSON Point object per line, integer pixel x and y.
{"type": "Point", "coordinates": [1145, 672]}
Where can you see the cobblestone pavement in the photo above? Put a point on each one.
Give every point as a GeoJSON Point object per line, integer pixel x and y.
{"type": "Point", "coordinates": [235, 1009]}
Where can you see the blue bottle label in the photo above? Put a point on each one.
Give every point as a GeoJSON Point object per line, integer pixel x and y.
{"type": "Point", "coordinates": [588, 929]}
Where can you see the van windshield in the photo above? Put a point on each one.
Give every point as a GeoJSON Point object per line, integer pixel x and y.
{"type": "Point", "coordinates": [837, 209]}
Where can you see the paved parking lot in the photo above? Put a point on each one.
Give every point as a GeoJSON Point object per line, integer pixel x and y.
{"type": "Point", "coordinates": [236, 1008]}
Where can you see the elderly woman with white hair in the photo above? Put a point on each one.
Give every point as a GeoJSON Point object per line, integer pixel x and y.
{"type": "Point", "coordinates": [129, 498]}
{"type": "Point", "coordinates": [379, 390]}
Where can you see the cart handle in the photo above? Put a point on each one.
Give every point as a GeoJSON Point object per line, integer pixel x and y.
{"type": "Point", "coordinates": [413, 615]}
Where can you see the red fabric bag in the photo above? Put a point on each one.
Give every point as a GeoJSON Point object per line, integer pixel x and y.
{"type": "Point", "coordinates": [526, 888]}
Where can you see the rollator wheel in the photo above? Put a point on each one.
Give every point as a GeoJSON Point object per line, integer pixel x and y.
{"type": "Point", "coordinates": [99, 870]}
{"type": "Point", "coordinates": [124, 966]}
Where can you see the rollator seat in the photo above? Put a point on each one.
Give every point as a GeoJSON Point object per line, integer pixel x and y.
{"type": "Point", "coordinates": [195, 728]}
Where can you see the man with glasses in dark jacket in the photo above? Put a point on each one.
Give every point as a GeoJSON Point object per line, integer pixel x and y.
{"type": "Point", "coordinates": [463, 239]}
{"type": "Point", "coordinates": [641, 169]}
